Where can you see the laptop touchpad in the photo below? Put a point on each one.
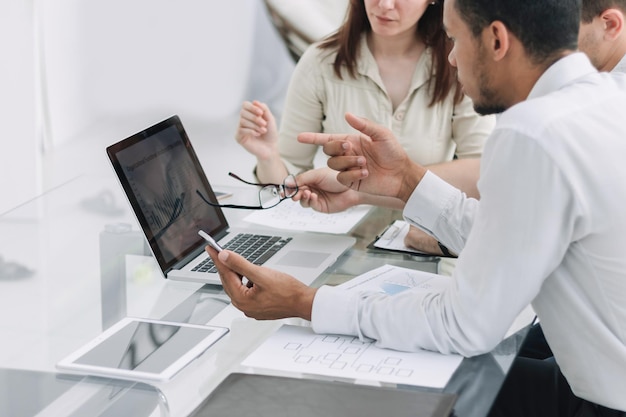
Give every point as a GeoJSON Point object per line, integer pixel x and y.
{"type": "Point", "coordinates": [303, 259]}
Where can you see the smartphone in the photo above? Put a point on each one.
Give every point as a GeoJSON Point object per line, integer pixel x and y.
{"type": "Point", "coordinates": [210, 240]}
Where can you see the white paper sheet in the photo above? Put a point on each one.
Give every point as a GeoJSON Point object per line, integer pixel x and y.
{"type": "Point", "coordinates": [292, 216]}
{"type": "Point", "coordinates": [392, 279]}
{"type": "Point", "coordinates": [299, 349]}
{"type": "Point", "coordinates": [393, 238]}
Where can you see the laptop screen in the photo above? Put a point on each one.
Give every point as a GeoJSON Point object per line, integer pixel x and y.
{"type": "Point", "coordinates": [160, 173]}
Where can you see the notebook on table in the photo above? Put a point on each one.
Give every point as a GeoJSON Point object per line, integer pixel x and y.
{"type": "Point", "coordinates": [159, 172]}
{"type": "Point", "coordinates": [263, 395]}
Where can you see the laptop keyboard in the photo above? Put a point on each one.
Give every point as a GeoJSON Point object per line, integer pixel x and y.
{"type": "Point", "coordinates": [255, 248]}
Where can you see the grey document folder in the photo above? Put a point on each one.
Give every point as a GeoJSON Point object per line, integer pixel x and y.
{"type": "Point", "coordinates": [272, 396]}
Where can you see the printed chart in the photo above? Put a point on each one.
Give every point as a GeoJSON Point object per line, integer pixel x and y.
{"type": "Point", "coordinates": [299, 349]}
{"type": "Point", "coordinates": [390, 279]}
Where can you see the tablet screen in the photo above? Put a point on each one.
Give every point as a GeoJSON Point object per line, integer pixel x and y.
{"type": "Point", "coordinates": [143, 347]}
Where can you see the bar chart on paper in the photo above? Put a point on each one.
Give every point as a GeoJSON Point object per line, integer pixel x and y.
{"type": "Point", "coordinates": [299, 349]}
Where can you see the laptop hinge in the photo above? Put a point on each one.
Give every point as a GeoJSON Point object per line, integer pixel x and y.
{"type": "Point", "coordinates": [181, 263]}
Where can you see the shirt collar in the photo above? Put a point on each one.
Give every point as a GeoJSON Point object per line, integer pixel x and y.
{"type": "Point", "coordinates": [366, 65]}
{"type": "Point", "coordinates": [621, 65]}
{"type": "Point", "coordinates": [561, 73]}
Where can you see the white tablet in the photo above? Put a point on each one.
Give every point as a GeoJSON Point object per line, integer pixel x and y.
{"type": "Point", "coordinates": [136, 348]}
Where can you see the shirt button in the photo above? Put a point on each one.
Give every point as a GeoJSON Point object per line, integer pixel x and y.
{"type": "Point", "coordinates": [400, 116]}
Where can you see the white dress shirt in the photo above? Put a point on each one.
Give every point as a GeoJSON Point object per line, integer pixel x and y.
{"type": "Point", "coordinates": [550, 229]}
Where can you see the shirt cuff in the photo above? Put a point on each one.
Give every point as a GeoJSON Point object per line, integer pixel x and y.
{"type": "Point", "coordinates": [334, 311]}
{"type": "Point", "coordinates": [429, 199]}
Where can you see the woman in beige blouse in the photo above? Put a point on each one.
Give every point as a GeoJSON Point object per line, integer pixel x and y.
{"type": "Point", "coordinates": [388, 62]}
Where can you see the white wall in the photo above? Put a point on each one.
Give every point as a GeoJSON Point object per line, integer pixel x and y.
{"type": "Point", "coordinates": [90, 73]}
{"type": "Point", "coordinates": [117, 60]}
{"type": "Point", "coordinates": [19, 150]}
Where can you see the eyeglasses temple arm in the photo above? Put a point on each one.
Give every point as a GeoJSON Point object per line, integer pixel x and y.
{"type": "Point", "coordinates": [235, 176]}
{"type": "Point", "coordinates": [235, 206]}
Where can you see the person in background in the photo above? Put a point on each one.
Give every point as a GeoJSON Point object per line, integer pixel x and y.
{"type": "Point", "coordinates": [602, 34]}
{"type": "Point", "coordinates": [548, 230]}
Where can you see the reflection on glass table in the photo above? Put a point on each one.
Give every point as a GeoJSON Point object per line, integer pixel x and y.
{"type": "Point", "coordinates": [44, 394]}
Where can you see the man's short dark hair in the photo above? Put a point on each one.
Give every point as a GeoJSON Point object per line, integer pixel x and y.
{"type": "Point", "coordinates": [545, 28]}
{"type": "Point", "coordinates": [593, 8]}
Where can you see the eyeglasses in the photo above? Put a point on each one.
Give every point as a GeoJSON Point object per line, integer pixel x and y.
{"type": "Point", "coordinates": [269, 194]}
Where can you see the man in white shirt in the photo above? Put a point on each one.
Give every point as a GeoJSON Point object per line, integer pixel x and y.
{"type": "Point", "coordinates": [549, 229]}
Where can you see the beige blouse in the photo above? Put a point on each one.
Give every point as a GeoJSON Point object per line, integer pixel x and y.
{"type": "Point", "coordinates": [317, 101]}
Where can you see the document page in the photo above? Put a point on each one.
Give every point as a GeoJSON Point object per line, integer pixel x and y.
{"type": "Point", "coordinates": [392, 279]}
{"type": "Point", "coordinates": [299, 349]}
{"type": "Point", "coordinates": [292, 216]}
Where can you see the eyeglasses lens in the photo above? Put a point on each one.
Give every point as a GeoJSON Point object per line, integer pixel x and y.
{"type": "Point", "coordinates": [269, 196]}
{"type": "Point", "coordinates": [290, 187]}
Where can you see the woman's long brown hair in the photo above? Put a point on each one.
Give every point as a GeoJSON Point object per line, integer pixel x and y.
{"type": "Point", "coordinates": [430, 29]}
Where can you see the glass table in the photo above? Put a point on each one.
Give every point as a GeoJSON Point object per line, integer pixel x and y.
{"type": "Point", "coordinates": [72, 263]}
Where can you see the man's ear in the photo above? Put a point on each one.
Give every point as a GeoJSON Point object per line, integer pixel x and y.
{"type": "Point", "coordinates": [613, 22]}
{"type": "Point", "coordinates": [496, 38]}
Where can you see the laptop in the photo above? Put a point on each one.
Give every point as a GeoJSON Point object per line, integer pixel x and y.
{"type": "Point", "coordinates": [159, 171]}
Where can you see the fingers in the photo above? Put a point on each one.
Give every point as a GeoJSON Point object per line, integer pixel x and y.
{"type": "Point", "coordinates": [306, 198]}
{"type": "Point", "coordinates": [368, 128]}
{"type": "Point", "coordinates": [252, 120]}
{"type": "Point", "coordinates": [342, 159]}
{"type": "Point", "coordinates": [337, 148]}
{"type": "Point", "coordinates": [363, 125]}
{"type": "Point", "coordinates": [251, 111]}
{"type": "Point", "coordinates": [302, 194]}
{"type": "Point", "coordinates": [418, 239]}
{"type": "Point", "coordinates": [228, 260]}
{"type": "Point", "coordinates": [345, 163]}
{"type": "Point", "coordinates": [231, 281]}
{"type": "Point", "coordinates": [321, 139]}
{"type": "Point", "coordinates": [312, 200]}
{"type": "Point", "coordinates": [308, 178]}
{"type": "Point", "coordinates": [266, 113]}
{"type": "Point", "coordinates": [352, 178]}
{"type": "Point", "coordinates": [313, 138]}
